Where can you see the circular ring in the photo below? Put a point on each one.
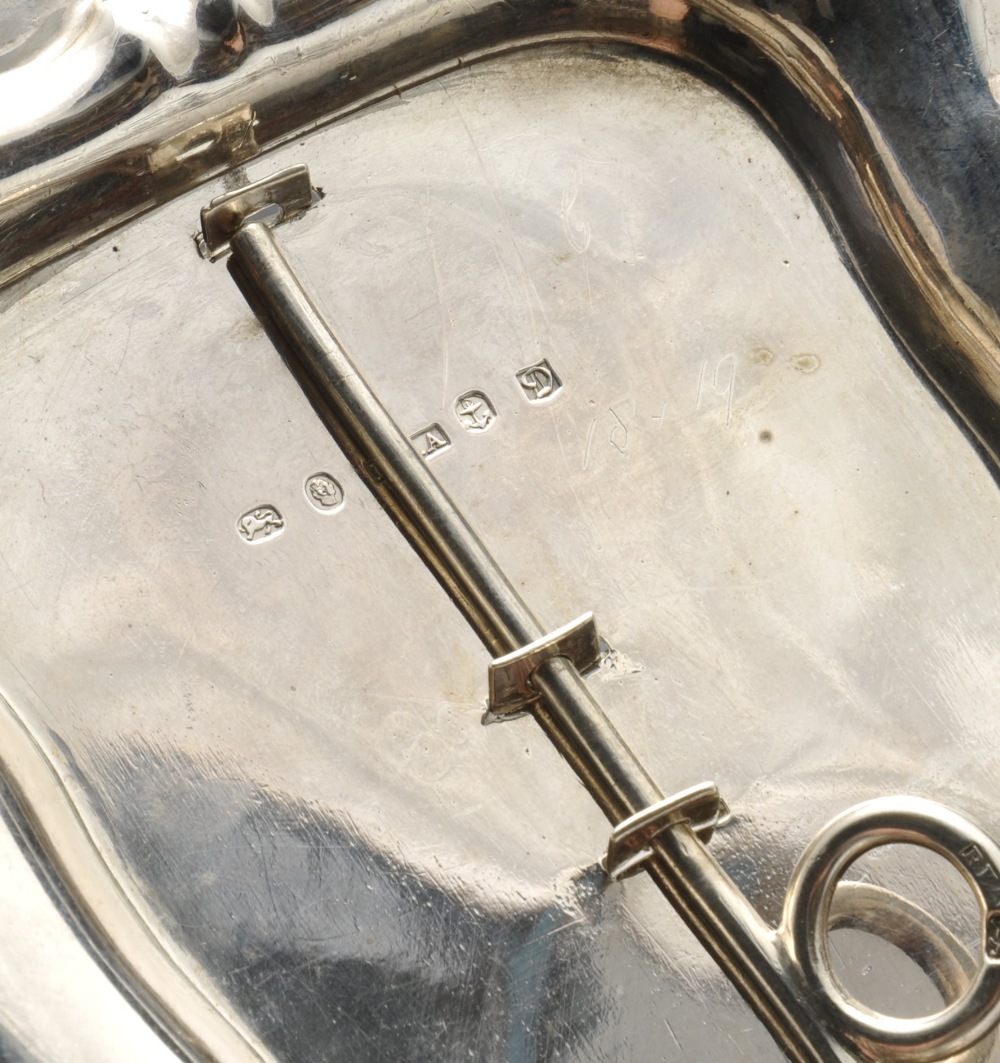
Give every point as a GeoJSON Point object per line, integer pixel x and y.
{"type": "Point", "coordinates": [805, 926]}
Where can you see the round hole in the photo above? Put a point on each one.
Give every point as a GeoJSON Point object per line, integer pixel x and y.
{"type": "Point", "coordinates": [904, 931]}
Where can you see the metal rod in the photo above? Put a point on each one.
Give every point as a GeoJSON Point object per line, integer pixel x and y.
{"type": "Point", "coordinates": [749, 951]}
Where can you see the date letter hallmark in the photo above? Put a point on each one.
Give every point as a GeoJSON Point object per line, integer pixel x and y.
{"type": "Point", "coordinates": [260, 524]}
{"type": "Point", "coordinates": [431, 440]}
{"type": "Point", "coordinates": [539, 381]}
{"type": "Point", "coordinates": [475, 412]}
{"type": "Point", "coordinates": [324, 493]}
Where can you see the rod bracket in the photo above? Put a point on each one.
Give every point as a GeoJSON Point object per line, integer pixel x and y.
{"type": "Point", "coordinates": [701, 807]}
{"type": "Point", "coordinates": [510, 676]}
{"type": "Point", "coordinates": [288, 192]}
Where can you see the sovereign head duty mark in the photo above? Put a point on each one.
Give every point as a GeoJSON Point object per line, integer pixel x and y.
{"type": "Point", "coordinates": [324, 492]}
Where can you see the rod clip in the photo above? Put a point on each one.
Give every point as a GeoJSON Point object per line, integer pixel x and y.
{"type": "Point", "coordinates": [283, 195]}
{"type": "Point", "coordinates": [701, 807]}
{"type": "Point", "coordinates": [510, 676]}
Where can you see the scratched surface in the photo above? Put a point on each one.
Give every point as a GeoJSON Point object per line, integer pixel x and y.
{"type": "Point", "coordinates": [607, 311]}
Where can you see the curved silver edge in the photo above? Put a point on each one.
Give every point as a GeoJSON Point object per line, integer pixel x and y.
{"type": "Point", "coordinates": [121, 931]}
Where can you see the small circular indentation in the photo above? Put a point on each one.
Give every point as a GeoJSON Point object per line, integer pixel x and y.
{"type": "Point", "coordinates": [324, 492]}
{"type": "Point", "coordinates": [766, 435]}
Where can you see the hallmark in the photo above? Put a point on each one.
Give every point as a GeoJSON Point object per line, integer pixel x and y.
{"type": "Point", "coordinates": [431, 440]}
{"type": "Point", "coordinates": [324, 492]}
{"type": "Point", "coordinates": [992, 936]}
{"type": "Point", "coordinates": [260, 523]}
{"type": "Point", "coordinates": [475, 412]}
{"type": "Point", "coordinates": [538, 381]}
{"type": "Point", "coordinates": [982, 870]}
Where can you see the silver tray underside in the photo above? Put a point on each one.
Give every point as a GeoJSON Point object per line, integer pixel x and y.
{"type": "Point", "coordinates": [274, 747]}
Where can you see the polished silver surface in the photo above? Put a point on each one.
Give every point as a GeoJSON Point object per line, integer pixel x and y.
{"type": "Point", "coordinates": [566, 709]}
{"type": "Point", "coordinates": [788, 977]}
{"type": "Point", "coordinates": [56, 1001]}
{"type": "Point", "coordinates": [288, 852]}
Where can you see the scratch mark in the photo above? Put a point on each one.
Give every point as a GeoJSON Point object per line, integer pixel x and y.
{"type": "Point", "coordinates": [701, 385]}
{"type": "Point", "coordinates": [580, 501]}
{"type": "Point", "coordinates": [625, 225]}
{"type": "Point", "coordinates": [559, 929]}
{"type": "Point", "coordinates": [736, 1044]}
{"type": "Point", "coordinates": [732, 385]}
{"type": "Point", "coordinates": [405, 699]}
{"type": "Point", "coordinates": [585, 521]}
{"type": "Point", "coordinates": [590, 439]}
{"type": "Point", "coordinates": [619, 431]}
{"type": "Point", "coordinates": [670, 1030]}
{"type": "Point", "coordinates": [439, 293]}
{"type": "Point", "coordinates": [19, 585]}
{"type": "Point", "coordinates": [263, 863]}
{"type": "Point", "coordinates": [577, 230]}
{"type": "Point", "coordinates": [99, 500]}
{"type": "Point", "coordinates": [532, 301]}
{"type": "Point", "coordinates": [128, 340]}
